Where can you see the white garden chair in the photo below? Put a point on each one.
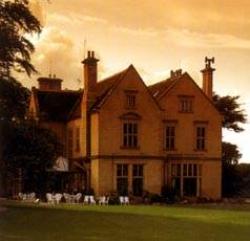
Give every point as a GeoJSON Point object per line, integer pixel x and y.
{"type": "Point", "coordinates": [57, 197]}
{"type": "Point", "coordinates": [77, 197]}
{"type": "Point", "coordinates": [126, 200]}
{"type": "Point", "coordinates": [102, 200]}
{"type": "Point", "coordinates": [31, 196]}
{"type": "Point", "coordinates": [121, 199]}
{"type": "Point", "coordinates": [92, 200]}
{"type": "Point", "coordinates": [86, 199]}
{"type": "Point", "coordinates": [67, 197]}
{"type": "Point", "coordinates": [49, 198]}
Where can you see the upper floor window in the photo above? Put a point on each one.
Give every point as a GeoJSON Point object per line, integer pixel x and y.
{"type": "Point", "coordinates": [186, 104]}
{"type": "Point", "coordinates": [170, 137]}
{"type": "Point", "coordinates": [200, 138]}
{"type": "Point", "coordinates": [130, 134]}
{"type": "Point", "coordinates": [130, 101]}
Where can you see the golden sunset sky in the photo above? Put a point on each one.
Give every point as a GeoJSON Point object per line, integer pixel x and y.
{"type": "Point", "coordinates": [153, 35]}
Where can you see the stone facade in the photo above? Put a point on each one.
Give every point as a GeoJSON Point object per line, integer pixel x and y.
{"type": "Point", "coordinates": [129, 138]}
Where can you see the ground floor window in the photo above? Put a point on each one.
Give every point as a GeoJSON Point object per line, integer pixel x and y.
{"type": "Point", "coordinates": [137, 180]}
{"type": "Point", "coordinates": [129, 179]}
{"type": "Point", "coordinates": [186, 179]}
{"type": "Point", "coordinates": [122, 179]}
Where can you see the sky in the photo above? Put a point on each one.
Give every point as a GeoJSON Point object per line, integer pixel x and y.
{"type": "Point", "coordinates": [154, 36]}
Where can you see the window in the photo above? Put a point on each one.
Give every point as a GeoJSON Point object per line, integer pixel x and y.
{"type": "Point", "coordinates": [186, 104]}
{"type": "Point", "coordinates": [200, 138]}
{"type": "Point", "coordinates": [176, 178]}
{"type": "Point", "coordinates": [137, 180]}
{"type": "Point", "coordinates": [70, 143]}
{"type": "Point", "coordinates": [131, 101]}
{"type": "Point", "coordinates": [130, 135]}
{"type": "Point", "coordinates": [191, 179]}
{"type": "Point", "coordinates": [122, 179]}
{"type": "Point", "coordinates": [77, 147]}
{"type": "Point", "coordinates": [186, 179]}
{"type": "Point", "coordinates": [170, 137]}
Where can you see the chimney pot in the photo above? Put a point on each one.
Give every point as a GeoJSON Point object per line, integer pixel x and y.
{"type": "Point", "coordinates": [89, 54]}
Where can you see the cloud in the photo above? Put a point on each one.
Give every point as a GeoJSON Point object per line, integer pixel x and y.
{"type": "Point", "coordinates": [191, 39]}
{"type": "Point", "coordinates": [56, 54]}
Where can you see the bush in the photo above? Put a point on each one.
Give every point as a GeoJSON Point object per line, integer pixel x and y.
{"type": "Point", "coordinates": [114, 198]}
{"type": "Point", "coordinates": [169, 194]}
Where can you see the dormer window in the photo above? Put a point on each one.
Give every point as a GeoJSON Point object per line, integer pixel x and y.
{"type": "Point", "coordinates": [186, 104]}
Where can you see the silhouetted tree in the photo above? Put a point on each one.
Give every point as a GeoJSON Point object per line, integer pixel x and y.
{"type": "Point", "coordinates": [231, 110]}
{"type": "Point", "coordinates": [16, 21]}
{"type": "Point", "coordinates": [32, 150]}
{"type": "Point", "coordinates": [233, 116]}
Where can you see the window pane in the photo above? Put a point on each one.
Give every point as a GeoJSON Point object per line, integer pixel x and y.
{"type": "Point", "coordinates": [137, 186]}
{"type": "Point", "coordinates": [122, 186]}
{"type": "Point", "coordinates": [190, 170]}
{"type": "Point", "coordinates": [185, 170]}
{"type": "Point", "coordinates": [195, 170]}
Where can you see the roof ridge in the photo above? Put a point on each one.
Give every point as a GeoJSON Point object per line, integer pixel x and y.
{"type": "Point", "coordinates": [112, 76]}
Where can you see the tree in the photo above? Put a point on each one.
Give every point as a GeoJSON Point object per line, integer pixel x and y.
{"type": "Point", "coordinates": [23, 144]}
{"type": "Point", "coordinates": [231, 179]}
{"type": "Point", "coordinates": [231, 110]}
{"type": "Point", "coordinates": [233, 116]}
{"type": "Point", "coordinates": [31, 149]}
{"type": "Point", "coordinates": [16, 21]}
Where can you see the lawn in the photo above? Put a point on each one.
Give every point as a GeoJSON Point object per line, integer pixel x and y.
{"type": "Point", "coordinates": [130, 223]}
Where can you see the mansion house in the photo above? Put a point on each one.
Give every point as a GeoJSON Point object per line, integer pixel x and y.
{"type": "Point", "coordinates": [118, 134]}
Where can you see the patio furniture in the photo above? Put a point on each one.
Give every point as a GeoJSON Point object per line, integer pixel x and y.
{"type": "Point", "coordinates": [57, 197]}
{"type": "Point", "coordinates": [67, 197]}
{"type": "Point", "coordinates": [121, 199]}
{"type": "Point", "coordinates": [86, 199]}
{"type": "Point", "coordinates": [28, 197]}
{"type": "Point", "coordinates": [50, 198]}
{"type": "Point", "coordinates": [77, 197]}
{"type": "Point", "coordinates": [103, 200]}
{"type": "Point", "coordinates": [92, 200]}
{"type": "Point", "coordinates": [126, 200]}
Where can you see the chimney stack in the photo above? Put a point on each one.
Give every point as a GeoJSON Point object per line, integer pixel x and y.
{"type": "Point", "coordinates": [50, 83]}
{"type": "Point", "coordinates": [90, 71]}
{"type": "Point", "coordinates": [207, 74]}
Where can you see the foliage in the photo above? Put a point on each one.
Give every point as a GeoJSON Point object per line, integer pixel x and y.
{"type": "Point", "coordinates": [31, 147]}
{"type": "Point", "coordinates": [16, 21]}
{"type": "Point", "coordinates": [233, 116]}
{"type": "Point", "coordinates": [231, 110]}
{"type": "Point", "coordinates": [13, 99]}
{"type": "Point", "coordinates": [230, 153]}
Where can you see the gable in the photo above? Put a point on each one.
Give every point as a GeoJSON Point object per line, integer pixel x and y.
{"type": "Point", "coordinates": [185, 86]}
{"type": "Point", "coordinates": [130, 81]}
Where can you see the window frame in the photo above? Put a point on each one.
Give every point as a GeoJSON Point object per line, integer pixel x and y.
{"type": "Point", "coordinates": [137, 178]}
{"type": "Point", "coordinates": [122, 177]}
{"type": "Point", "coordinates": [130, 134]}
{"type": "Point", "coordinates": [186, 104]}
{"type": "Point", "coordinates": [130, 99]}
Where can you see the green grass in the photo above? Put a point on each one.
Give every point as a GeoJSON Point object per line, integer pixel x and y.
{"type": "Point", "coordinates": [116, 223]}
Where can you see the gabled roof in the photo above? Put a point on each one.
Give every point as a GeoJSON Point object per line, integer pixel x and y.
{"type": "Point", "coordinates": [105, 87]}
{"type": "Point", "coordinates": [56, 105]}
{"type": "Point", "coordinates": [160, 88]}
